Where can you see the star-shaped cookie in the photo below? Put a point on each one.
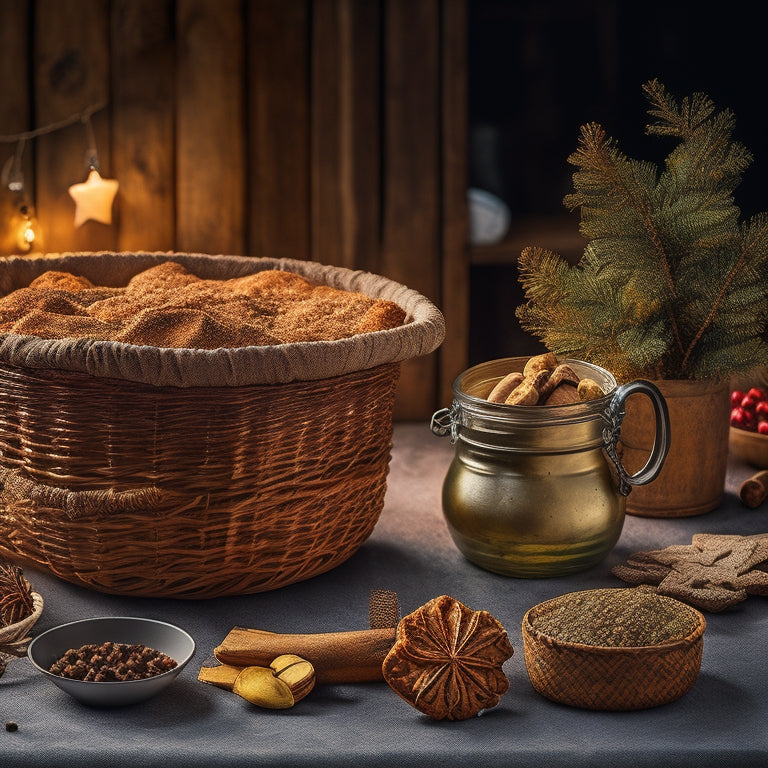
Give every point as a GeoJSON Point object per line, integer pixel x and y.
{"type": "Point", "coordinates": [714, 572]}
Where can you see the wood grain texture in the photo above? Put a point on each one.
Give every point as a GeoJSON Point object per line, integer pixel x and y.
{"type": "Point", "coordinates": [411, 175]}
{"type": "Point", "coordinates": [454, 262]}
{"type": "Point", "coordinates": [143, 80]}
{"type": "Point", "coordinates": [278, 128]}
{"type": "Point", "coordinates": [71, 73]}
{"type": "Point", "coordinates": [210, 127]}
{"type": "Point", "coordinates": [345, 146]}
{"type": "Point", "coordinates": [15, 107]}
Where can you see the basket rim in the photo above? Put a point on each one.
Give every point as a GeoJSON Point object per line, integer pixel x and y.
{"type": "Point", "coordinates": [20, 628]}
{"type": "Point", "coordinates": [691, 639]}
{"type": "Point", "coordinates": [421, 334]}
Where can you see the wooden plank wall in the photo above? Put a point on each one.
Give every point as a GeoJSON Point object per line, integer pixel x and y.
{"type": "Point", "coordinates": [331, 130]}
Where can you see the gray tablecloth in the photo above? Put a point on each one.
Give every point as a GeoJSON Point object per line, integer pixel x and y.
{"type": "Point", "coordinates": [720, 722]}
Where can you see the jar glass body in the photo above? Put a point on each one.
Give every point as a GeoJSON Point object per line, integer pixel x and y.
{"type": "Point", "coordinates": [530, 491]}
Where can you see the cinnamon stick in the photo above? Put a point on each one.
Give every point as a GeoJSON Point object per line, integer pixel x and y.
{"type": "Point", "coordinates": [338, 657]}
{"type": "Point", "coordinates": [754, 491]}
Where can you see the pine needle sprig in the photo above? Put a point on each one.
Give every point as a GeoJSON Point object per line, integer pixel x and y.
{"type": "Point", "coordinates": [681, 120]}
{"type": "Point", "coordinates": [671, 284]}
{"type": "Point", "coordinates": [617, 194]}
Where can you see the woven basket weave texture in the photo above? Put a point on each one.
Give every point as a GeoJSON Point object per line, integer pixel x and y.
{"type": "Point", "coordinates": [610, 678]}
{"type": "Point", "coordinates": [129, 485]}
{"type": "Point", "coordinates": [18, 633]}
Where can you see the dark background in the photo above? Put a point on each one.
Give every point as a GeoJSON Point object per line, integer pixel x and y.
{"type": "Point", "coordinates": [539, 70]}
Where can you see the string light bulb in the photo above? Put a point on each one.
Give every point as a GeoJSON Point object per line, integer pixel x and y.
{"type": "Point", "coordinates": [93, 198]}
{"type": "Point", "coordinates": [24, 231]}
{"type": "Point", "coordinates": [27, 231]}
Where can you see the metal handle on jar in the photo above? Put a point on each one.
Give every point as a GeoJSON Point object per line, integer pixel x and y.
{"type": "Point", "coordinates": [445, 422]}
{"type": "Point", "coordinates": [614, 416]}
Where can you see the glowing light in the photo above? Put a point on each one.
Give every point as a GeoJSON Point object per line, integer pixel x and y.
{"type": "Point", "coordinates": [27, 230]}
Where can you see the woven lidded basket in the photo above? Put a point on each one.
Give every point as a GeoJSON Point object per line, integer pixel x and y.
{"type": "Point", "coordinates": [611, 676]}
{"type": "Point", "coordinates": [197, 473]}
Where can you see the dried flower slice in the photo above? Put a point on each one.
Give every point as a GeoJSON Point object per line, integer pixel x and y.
{"type": "Point", "coordinates": [447, 660]}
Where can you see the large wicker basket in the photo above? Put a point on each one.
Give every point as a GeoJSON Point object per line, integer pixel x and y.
{"type": "Point", "coordinates": [197, 473]}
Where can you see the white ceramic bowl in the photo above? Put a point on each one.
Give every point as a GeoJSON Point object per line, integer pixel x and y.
{"type": "Point", "coordinates": [167, 638]}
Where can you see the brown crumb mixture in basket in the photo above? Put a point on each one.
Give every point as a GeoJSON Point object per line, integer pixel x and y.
{"type": "Point", "coordinates": [169, 306]}
{"type": "Point", "coordinates": [112, 662]}
{"type": "Point", "coordinates": [615, 618]}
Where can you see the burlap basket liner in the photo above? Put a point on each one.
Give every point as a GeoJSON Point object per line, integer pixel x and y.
{"type": "Point", "coordinates": [197, 473]}
{"type": "Point", "coordinates": [610, 678]}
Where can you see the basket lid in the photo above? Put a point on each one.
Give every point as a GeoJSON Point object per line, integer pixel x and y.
{"type": "Point", "coordinates": [421, 334]}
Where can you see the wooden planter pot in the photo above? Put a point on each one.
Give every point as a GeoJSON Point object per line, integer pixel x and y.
{"type": "Point", "coordinates": [692, 481]}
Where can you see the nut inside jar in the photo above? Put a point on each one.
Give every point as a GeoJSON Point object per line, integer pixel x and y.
{"type": "Point", "coordinates": [544, 381]}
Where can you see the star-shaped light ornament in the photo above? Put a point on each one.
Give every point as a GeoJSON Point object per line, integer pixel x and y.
{"type": "Point", "coordinates": [93, 199]}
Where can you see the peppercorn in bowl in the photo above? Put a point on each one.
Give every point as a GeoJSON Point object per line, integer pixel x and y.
{"type": "Point", "coordinates": [112, 660]}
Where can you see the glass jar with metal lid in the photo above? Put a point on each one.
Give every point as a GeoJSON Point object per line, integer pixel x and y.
{"type": "Point", "coordinates": [536, 491]}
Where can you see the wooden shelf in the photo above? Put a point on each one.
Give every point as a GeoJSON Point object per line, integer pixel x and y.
{"type": "Point", "coordinates": [558, 233]}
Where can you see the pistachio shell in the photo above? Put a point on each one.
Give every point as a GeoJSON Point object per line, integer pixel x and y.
{"type": "Point", "coordinates": [297, 673]}
{"type": "Point", "coordinates": [260, 686]}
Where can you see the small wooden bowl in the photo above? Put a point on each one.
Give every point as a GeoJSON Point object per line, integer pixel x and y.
{"type": "Point", "coordinates": [612, 677]}
{"type": "Point", "coordinates": [751, 447]}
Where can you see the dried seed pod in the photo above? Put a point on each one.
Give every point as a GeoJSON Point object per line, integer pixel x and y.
{"type": "Point", "coordinates": [561, 375]}
{"type": "Point", "coordinates": [447, 660]}
{"type": "Point", "coordinates": [589, 390]}
{"type": "Point", "coordinates": [260, 686]}
{"type": "Point", "coordinates": [563, 394]}
{"type": "Point", "coordinates": [529, 391]}
{"type": "Point", "coordinates": [545, 362]}
{"type": "Point", "coordinates": [297, 673]}
{"type": "Point", "coordinates": [505, 387]}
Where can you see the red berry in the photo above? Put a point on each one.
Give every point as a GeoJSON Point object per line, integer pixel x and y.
{"type": "Point", "coordinates": [758, 394]}
{"type": "Point", "coordinates": [762, 427]}
{"type": "Point", "coordinates": [736, 397]}
{"type": "Point", "coordinates": [761, 409]}
{"type": "Point", "coordinates": [748, 403]}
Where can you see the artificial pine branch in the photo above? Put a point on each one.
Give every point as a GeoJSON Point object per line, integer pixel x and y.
{"type": "Point", "coordinates": [671, 284]}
